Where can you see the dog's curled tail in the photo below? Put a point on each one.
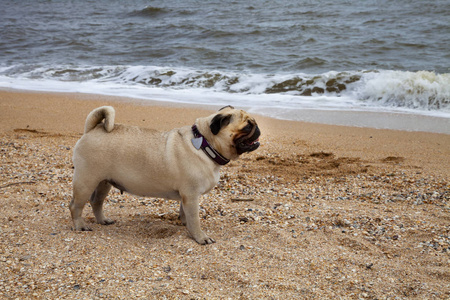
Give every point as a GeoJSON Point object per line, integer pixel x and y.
{"type": "Point", "coordinates": [97, 115]}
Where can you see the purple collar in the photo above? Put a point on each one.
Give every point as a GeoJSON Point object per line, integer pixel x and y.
{"type": "Point", "coordinates": [200, 142]}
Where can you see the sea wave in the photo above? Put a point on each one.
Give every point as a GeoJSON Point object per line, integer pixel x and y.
{"type": "Point", "coordinates": [148, 11]}
{"type": "Point", "coordinates": [420, 91]}
{"type": "Point", "coordinates": [416, 90]}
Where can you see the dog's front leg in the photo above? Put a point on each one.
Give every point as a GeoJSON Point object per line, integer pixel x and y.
{"type": "Point", "coordinates": [189, 207]}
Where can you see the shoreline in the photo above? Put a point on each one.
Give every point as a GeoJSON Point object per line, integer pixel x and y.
{"type": "Point", "coordinates": [401, 120]}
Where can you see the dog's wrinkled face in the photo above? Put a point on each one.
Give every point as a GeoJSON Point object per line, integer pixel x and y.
{"type": "Point", "coordinates": [236, 128]}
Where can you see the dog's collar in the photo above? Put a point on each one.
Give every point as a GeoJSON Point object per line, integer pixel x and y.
{"type": "Point", "coordinates": [200, 142]}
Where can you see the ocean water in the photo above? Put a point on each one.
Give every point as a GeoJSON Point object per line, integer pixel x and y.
{"type": "Point", "coordinates": [302, 60]}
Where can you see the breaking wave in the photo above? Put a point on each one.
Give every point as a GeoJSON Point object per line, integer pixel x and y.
{"type": "Point", "coordinates": [422, 90]}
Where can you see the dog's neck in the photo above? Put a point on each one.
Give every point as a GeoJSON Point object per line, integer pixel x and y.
{"type": "Point", "coordinates": [200, 142]}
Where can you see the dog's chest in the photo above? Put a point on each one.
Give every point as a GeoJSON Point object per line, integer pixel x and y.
{"type": "Point", "coordinates": [211, 183]}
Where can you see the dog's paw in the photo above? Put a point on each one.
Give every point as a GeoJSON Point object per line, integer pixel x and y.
{"type": "Point", "coordinates": [208, 241]}
{"type": "Point", "coordinates": [80, 225]}
{"type": "Point", "coordinates": [205, 240]}
{"type": "Point", "coordinates": [82, 228]}
{"type": "Point", "coordinates": [107, 221]}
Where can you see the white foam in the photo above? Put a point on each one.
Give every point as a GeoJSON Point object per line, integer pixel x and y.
{"type": "Point", "coordinates": [421, 90]}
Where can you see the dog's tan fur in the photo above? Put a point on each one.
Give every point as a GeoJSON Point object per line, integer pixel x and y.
{"type": "Point", "coordinates": [156, 164]}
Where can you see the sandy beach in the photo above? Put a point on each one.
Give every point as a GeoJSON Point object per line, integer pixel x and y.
{"type": "Point", "coordinates": [331, 212]}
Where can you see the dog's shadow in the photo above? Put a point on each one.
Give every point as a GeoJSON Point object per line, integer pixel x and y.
{"type": "Point", "coordinates": [143, 226]}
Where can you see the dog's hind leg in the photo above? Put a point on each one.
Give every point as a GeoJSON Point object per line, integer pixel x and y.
{"type": "Point", "coordinates": [81, 193]}
{"type": "Point", "coordinates": [97, 199]}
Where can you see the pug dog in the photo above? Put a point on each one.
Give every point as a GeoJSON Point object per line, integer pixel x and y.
{"type": "Point", "coordinates": [181, 164]}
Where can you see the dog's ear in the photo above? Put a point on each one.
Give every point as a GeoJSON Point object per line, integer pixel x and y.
{"type": "Point", "coordinates": [228, 106]}
{"type": "Point", "coordinates": [218, 122]}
